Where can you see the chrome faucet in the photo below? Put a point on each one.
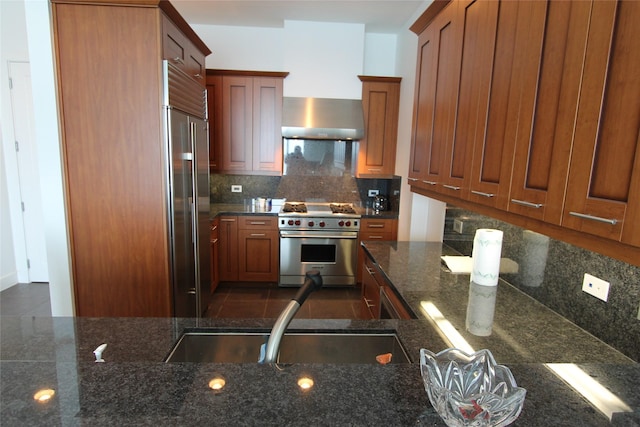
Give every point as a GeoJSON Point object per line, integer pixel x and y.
{"type": "Point", "coordinates": [312, 282]}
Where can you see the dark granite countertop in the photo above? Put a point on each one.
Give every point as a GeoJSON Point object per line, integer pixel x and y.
{"type": "Point", "coordinates": [240, 209]}
{"type": "Point", "coordinates": [135, 387]}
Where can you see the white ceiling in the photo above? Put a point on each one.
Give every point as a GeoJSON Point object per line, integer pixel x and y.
{"type": "Point", "coordinates": [379, 16]}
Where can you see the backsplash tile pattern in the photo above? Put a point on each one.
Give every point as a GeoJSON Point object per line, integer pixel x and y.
{"type": "Point", "coordinates": [551, 271]}
{"type": "Point", "coordinates": [343, 189]}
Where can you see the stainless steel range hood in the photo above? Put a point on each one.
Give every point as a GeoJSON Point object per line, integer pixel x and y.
{"type": "Point", "coordinates": [322, 118]}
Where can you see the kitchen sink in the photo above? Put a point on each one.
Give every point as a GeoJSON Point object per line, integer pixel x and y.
{"type": "Point", "coordinates": [296, 347]}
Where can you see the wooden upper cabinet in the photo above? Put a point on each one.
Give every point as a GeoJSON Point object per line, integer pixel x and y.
{"type": "Point", "coordinates": [477, 22]}
{"type": "Point", "coordinates": [247, 120]}
{"type": "Point", "coordinates": [552, 58]}
{"type": "Point", "coordinates": [214, 104]}
{"type": "Point", "coordinates": [267, 125]}
{"type": "Point", "coordinates": [181, 51]}
{"type": "Point", "coordinates": [381, 104]}
{"type": "Point", "coordinates": [603, 196]}
{"type": "Point", "coordinates": [237, 123]}
{"type": "Point", "coordinates": [435, 101]}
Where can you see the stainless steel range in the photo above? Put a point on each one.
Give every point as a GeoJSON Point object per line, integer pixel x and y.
{"type": "Point", "coordinates": [320, 236]}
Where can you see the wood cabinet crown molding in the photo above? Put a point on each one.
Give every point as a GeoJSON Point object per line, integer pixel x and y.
{"type": "Point", "coordinates": [219, 72]}
{"type": "Point", "coordinates": [164, 5]}
{"type": "Point", "coordinates": [427, 16]}
{"type": "Point", "coordinates": [381, 79]}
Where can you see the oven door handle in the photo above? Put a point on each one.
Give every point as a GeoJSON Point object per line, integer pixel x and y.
{"type": "Point", "coordinates": [318, 235]}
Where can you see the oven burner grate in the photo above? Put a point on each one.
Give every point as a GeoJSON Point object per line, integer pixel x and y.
{"type": "Point", "coordinates": [342, 208]}
{"type": "Point", "coordinates": [295, 207]}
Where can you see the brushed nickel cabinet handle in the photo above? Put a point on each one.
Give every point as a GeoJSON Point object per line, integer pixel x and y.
{"type": "Point", "coordinates": [374, 170]}
{"type": "Point", "coordinates": [258, 234]}
{"type": "Point", "coordinates": [527, 204]}
{"type": "Point", "coordinates": [178, 60]}
{"type": "Point", "coordinates": [228, 219]}
{"type": "Point", "coordinates": [368, 303]}
{"type": "Point", "coordinates": [375, 226]}
{"type": "Point", "coordinates": [372, 237]}
{"type": "Point", "coordinates": [611, 221]}
{"type": "Point", "coordinates": [451, 187]}
{"type": "Point", "coordinates": [258, 223]}
{"type": "Point", "coordinates": [412, 179]}
{"type": "Point", "coordinates": [198, 76]}
{"type": "Point", "coordinates": [430, 182]}
{"type": "Point", "coordinates": [369, 270]}
{"type": "Point", "coordinates": [483, 194]}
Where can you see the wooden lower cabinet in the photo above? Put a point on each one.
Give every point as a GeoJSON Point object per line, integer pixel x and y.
{"type": "Point", "coordinates": [214, 242]}
{"type": "Point", "coordinates": [375, 229]}
{"type": "Point", "coordinates": [228, 244]}
{"type": "Point", "coordinates": [249, 249]}
{"type": "Point", "coordinates": [259, 248]}
{"type": "Point", "coordinates": [379, 300]}
{"type": "Point", "coordinates": [370, 291]}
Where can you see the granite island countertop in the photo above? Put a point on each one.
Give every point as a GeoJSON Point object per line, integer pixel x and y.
{"type": "Point", "coordinates": [135, 387]}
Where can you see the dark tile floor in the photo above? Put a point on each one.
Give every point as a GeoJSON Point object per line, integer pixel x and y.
{"type": "Point", "coordinates": [26, 299]}
{"type": "Point", "coordinates": [268, 300]}
{"type": "Point", "coordinates": [229, 300]}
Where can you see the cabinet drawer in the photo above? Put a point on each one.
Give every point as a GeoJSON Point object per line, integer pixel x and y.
{"type": "Point", "coordinates": [378, 229]}
{"type": "Point", "coordinates": [258, 222]}
{"type": "Point", "coordinates": [376, 235]}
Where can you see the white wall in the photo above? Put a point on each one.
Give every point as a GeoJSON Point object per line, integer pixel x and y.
{"type": "Point", "coordinates": [13, 47]}
{"type": "Point", "coordinates": [38, 20]}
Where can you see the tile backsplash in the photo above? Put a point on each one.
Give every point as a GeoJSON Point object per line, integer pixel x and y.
{"type": "Point", "coordinates": [552, 271]}
{"type": "Point", "coordinates": [343, 189]}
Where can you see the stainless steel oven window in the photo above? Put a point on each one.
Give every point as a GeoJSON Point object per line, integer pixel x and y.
{"type": "Point", "coordinates": [318, 253]}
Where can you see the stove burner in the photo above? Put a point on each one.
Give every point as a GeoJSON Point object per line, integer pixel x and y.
{"type": "Point", "coordinates": [295, 207]}
{"type": "Point", "coordinates": [342, 208]}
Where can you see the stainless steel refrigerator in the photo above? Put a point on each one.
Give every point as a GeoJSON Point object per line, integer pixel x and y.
{"type": "Point", "coordinates": [187, 145]}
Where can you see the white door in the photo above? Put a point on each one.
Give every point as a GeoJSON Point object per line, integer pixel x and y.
{"type": "Point", "coordinates": [28, 175]}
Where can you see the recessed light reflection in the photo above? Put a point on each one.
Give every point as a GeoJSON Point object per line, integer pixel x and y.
{"type": "Point", "coordinates": [305, 383]}
{"type": "Point", "coordinates": [217, 383]}
{"type": "Point", "coordinates": [44, 395]}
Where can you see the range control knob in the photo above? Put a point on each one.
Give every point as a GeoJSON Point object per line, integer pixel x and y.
{"type": "Point", "coordinates": [322, 224]}
{"type": "Point", "coordinates": [311, 223]}
{"type": "Point", "coordinates": [290, 222]}
{"type": "Point", "coordinates": [348, 223]}
{"type": "Point", "coordinates": [341, 223]}
{"type": "Point", "coordinates": [297, 222]}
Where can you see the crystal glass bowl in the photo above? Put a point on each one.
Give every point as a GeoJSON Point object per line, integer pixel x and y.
{"type": "Point", "coordinates": [470, 389]}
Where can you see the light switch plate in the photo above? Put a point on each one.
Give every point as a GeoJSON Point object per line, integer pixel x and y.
{"type": "Point", "coordinates": [373, 193]}
{"type": "Point", "coordinates": [596, 287]}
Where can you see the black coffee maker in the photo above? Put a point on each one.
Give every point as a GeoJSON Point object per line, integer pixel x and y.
{"type": "Point", "coordinates": [380, 203]}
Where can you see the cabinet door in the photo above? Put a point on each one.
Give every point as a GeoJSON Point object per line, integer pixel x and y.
{"type": "Point", "coordinates": [214, 104]}
{"type": "Point", "coordinates": [380, 103]}
{"type": "Point", "coordinates": [434, 109]}
{"type": "Point", "coordinates": [603, 194]}
{"type": "Point", "coordinates": [214, 242]}
{"type": "Point", "coordinates": [259, 249]}
{"type": "Point", "coordinates": [228, 254]}
{"type": "Point", "coordinates": [551, 79]}
{"type": "Point", "coordinates": [267, 126]}
{"type": "Point", "coordinates": [370, 292]}
{"type": "Point", "coordinates": [477, 21]}
{"type": "Point", "coordinates": [493, 152]}
{"type": "Point", "coordinates": [237, 126]}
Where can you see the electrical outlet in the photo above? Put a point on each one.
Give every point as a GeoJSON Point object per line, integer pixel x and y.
{"type": "Point", "coordinates": [457, 226]}
{"type": "Point", "coordinates": [596, 287]}
{"type": "Point", "coordinates": [373, 193]}
{"type": "Point", "coordinates": [236, 188]}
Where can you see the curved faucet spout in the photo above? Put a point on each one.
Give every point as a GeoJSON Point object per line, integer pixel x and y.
{"type": "Point", "coordinates": [312, 282]}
